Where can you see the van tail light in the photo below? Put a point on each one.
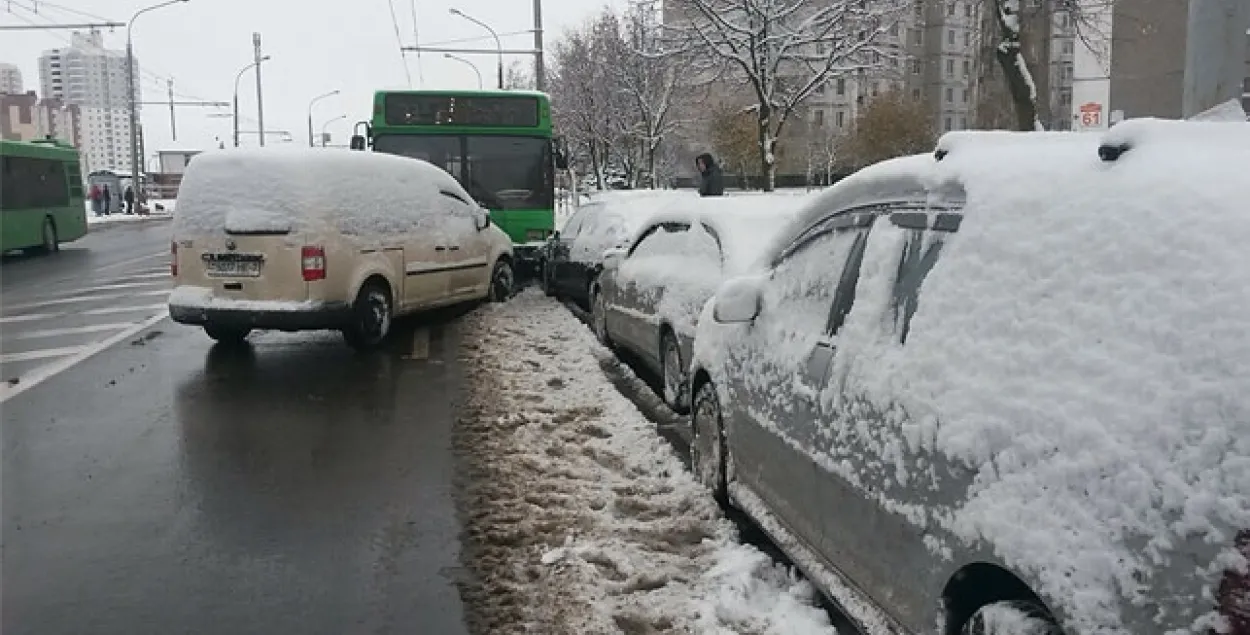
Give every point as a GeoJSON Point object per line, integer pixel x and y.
{"type": "Point", "coordinates": [1234, 593]}
{"type": "Point", "coordinates": [173, 258]}
{"type": "Point", "coordinates": [313, 262]}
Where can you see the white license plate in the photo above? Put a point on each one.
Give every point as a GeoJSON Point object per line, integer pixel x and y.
{"type": "Point", "coordinates": [232, 268]}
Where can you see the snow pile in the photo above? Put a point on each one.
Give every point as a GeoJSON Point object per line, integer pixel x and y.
{"type": "Point", "coordinates": [612, 218]}
{"type": "Point", "coordinates": [192, 297]}
{"type": "Point", "coordinates": [362, 194]}
{"type": "Point", "coordinates": [579, 517]}
{"type": "Point", "coordinates": [1083, 346]}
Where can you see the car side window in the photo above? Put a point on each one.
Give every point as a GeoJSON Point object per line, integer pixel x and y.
{"type": "Point", "coordinates": [921, 252]}
{"type": "Point", "coordinates": [844, 296]}
{"type": "Point", "coordinates": [658, 239]}
{"type": "Point", "coordinates": [808, 277]}
{"type": "Point", "coordinates": [573, 224]}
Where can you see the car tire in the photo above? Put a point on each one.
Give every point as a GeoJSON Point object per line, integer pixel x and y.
{"type": "Point", "coordinates": [371, 317]}
{"type": "Point", "coordinates": [502, 282]}
{"type": "Point", "coordinates": [51, 242]}
{"type": "Point", "coordinates": [1012, 617]}
{"type": "Point", "coordinates": [708, 451]}
{"type": "Point", "coordinates": [673, 382]}
{"type": "Point", "coordinates": [228, 335]}
{"type": "Point", "coordinates": [599, 317]}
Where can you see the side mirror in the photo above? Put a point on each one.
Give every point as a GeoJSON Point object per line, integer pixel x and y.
{"type": "Point", "coordinates": [358, 142]}
{"type": "Point", "coordinates": [482, 221]}
{"type": "Point", "coordinates": [613, 257]}
{"type": "Point", "coordinates": [737, 301]}
{"type": "Point", "coordinates": [555, 235]}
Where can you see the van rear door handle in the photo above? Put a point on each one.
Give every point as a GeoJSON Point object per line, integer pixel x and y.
{"type": "Point", "coordinates": [440, 248]}
{"type": "Point", "coordinates": [455, 247]}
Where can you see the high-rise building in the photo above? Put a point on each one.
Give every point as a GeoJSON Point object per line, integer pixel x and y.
{"type": "Point", "coordinates": [10, 79]}
{"type": "Point", "coordinates": [93, 79]}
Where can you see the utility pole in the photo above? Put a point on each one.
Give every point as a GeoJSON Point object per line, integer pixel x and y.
{"type": "Point", "coordinates": [540, 74]}
{"type": "Point", "coordinates": [260, 106]}
{"type": "Point", "coordinates": [1215, 54]}
{"type": "Point", "coordinates": [173, 124]}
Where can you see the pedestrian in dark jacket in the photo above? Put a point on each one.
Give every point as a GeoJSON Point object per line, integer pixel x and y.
{"type": "Point", "coordinates": [108, 198]}
{"type": "Point", "coordinates": [129, 197]}
{"type": "Point", "coordinates": [711, 179]}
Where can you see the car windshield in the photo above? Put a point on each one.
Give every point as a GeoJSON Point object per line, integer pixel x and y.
{"type": "Point", "coordinates": [501, 173]}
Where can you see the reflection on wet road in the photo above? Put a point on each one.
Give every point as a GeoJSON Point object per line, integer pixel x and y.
{"type": "Point", "coordinates": [170, 486]}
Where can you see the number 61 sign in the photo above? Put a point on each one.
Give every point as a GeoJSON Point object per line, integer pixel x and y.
{"type": "Point", "coordinates": [1091, 115]}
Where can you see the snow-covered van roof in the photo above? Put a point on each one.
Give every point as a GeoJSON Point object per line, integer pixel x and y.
{"type": "Point", "coordinates": [300, 189]}
{"type": "Point", "coordinates": [1083, 345]}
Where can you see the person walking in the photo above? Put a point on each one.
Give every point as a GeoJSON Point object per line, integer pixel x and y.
{"type": "Point", "coordinates": [129, 197]}
{"type": "Point", "coordinates": [711, 179]}
{"type": "Point", "coordinates": [94, 195]}
{"type": "Point", "coordinates": [107, 197]}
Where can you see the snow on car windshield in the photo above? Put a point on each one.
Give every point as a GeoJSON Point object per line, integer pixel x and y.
{"type": "Point", "coordinates": [282, 190]}
{"type": "Point", "coordinates": [1083, 345]}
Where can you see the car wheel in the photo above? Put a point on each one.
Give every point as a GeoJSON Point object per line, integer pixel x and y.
{"type": "Point", "coordinates": [707, 448]}
{"type": "Point", "coordinates": [549, 285]}
{"type": "Point", "coordinates": [1013, 617]}
{"type": "Point", "coordinates": [228, 335]}
{"type": "Point", "coordinates": [599, 317]}
{"type": "Point", "coordinates": [371, 318]}
{"type": "Point", "coordinates": [502, 282]}
{"type": "Point", "coordinates": [672, 373]}
{"type": "Point", "coordinates": [51, 243]}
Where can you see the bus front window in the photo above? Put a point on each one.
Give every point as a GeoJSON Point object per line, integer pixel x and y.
{"type": "Point", "coordinates": [509, 172]}
{"type": "Point", "coordinates": [444, 152]}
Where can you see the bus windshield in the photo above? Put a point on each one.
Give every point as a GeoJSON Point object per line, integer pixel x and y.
{"type": "Point", "coordinates": [500, 172]}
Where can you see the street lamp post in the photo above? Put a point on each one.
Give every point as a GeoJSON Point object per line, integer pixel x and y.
{"type": "Point", "coordinates": [310, 107]}
{"type": "Point", "coordinates": [135, 168]}
{"type": "Point", "coordinates": [326, 125]}
{"type": "Point", "coordinates": [498, 44]}
{"type": "Point", "coordinates": [471, 65]}
{"type": "Point", "coordinates": [237, 77]}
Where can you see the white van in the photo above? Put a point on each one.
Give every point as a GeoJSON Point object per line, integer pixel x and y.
{"type": "Point", "coordinates": [304, 239]}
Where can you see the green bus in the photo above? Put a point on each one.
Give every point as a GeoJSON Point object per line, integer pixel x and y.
{"type": "Point", "coordinates": [496, 143]}
{"type": "Point", "coordinates": [41, 195]}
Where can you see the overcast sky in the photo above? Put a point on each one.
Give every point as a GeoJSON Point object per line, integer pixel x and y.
{"type": "Point", "coordinates": [317, 46]}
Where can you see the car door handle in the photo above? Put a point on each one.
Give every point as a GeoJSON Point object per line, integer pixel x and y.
{"type": "Point", "coordinates": [440, 248]}
{"type": "Point", "coordinates": [455, 248]}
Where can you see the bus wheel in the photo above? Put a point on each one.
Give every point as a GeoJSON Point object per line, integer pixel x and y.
{"type": "Point", "coordinates": [51, 243]}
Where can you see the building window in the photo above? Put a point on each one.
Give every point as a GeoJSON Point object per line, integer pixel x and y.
{"type": "Point", "coordinates": [917, 36]}
{"type": "Point", "coordinates": [967, 68]}
{"type": "Point", "coordinates": [963, 123]}
{"type": "Point", "coordinates": [874, 89]}
{"type": "Point", "coordinates": [840, 118]}
{"type": "Point", "coordinates": [894, 29]}
{"type": "Point", "coordinates": [819, 118]}
{"type": "Point", "coordinates": [951, 8]}
{"type": "Point", "coordinates": [915, 94]}
{"type": "Point", "coordinates": [968, 10]}
{"type": "Point", "coordinates": [915, 67]}
{"type": "Point", "coordinates": [946, 124]}
{"type": "Point", "coordinates": [964, 92]}
{"type": "Point", "coordinates": [919, 9]}
{"type": "Point", "coordinates": [841, 86]}
{"type": "Point", "coordinates": [950, 37]}
{"type": "Point", "coordinates": [950, 94]}
{"type": "Point", "coordinates": [967, 39]}
{"type": "Point", "coordinates": [1067, 47]}
{"type": "Point", "coordinates": [950, 68]}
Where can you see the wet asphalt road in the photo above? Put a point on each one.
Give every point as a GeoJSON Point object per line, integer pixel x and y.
{"type": "Point", "coordinates": [166, 485]}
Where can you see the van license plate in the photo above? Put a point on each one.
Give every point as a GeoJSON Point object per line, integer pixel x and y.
{"type": "Point", "coordinates": [232, 268]}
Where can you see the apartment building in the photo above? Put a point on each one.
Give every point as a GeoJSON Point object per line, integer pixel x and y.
{"type": "Point", "coordinates": [25, 117]}
{"type": "Point", "coordinates": [93, 79]}
{"type": "Point", "coordinates": [10, 79]}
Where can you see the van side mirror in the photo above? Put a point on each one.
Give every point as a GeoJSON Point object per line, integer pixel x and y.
{"type": "Point", "coordinates": [358, 142]}
{"type": "Point", "coordinates": [482, 221]}
{"type": "Point", "coordinates": [738, 300]}
{"type": "Point", "coordinates": [613, 257]}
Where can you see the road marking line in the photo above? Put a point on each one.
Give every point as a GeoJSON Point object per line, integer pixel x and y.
{"type": "Point", "coordinates": [43, 373]}
{"type": "Point", "coordinates": [132, 261]}
{"type": "Point", "coordinates": [43, 353]}
{"type": "Point", "coordinates": [420, 344]}
{"type": "Point", "coordinates": [31, 317]}
{"type": "Point", "coordinates": [87, 298]}
{"type": "Point", "coordinates": [122, 285]}
{"type": "Point", "coordinates": [145, 275]}
{"type": "Point", "coordinates": [72, 330]}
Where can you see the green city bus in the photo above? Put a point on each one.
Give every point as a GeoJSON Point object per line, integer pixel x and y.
{"type": "Point", "coordinates": [41, 195]}
{"type": "Point", "coordinates": [496, 143]}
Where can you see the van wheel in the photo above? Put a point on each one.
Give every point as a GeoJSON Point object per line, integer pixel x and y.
{"type": "Point", "coordinates": [502, 282]}
{"type": "Point", "coordinates": [51, 242]}
{"type": "Point", "coordinates": [1012, 617]}
{"type": "Point", "coordinates": [230, 336]}
{"type": "Point", "coordinates": [371, 318]}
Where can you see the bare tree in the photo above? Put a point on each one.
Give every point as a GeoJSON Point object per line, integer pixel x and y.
{"type": "Point", "coordinates": [784, 50]}
{"type": "Point", "coordinates": [891, 125]}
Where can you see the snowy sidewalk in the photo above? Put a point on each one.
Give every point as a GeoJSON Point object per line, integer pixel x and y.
{"type": "Point", "coordinates": [579, 517]}
{"type": "Point", "coordinates": [125, 218]}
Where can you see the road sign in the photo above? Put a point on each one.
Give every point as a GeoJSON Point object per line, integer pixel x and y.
{"type": "Point", "coordinates": [1091, 115]}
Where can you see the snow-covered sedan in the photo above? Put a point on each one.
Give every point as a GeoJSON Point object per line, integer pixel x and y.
{"type": "Point", "coordinates": [650, 293]}
{"type": "Point", "coordinates": [1003, 391]}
